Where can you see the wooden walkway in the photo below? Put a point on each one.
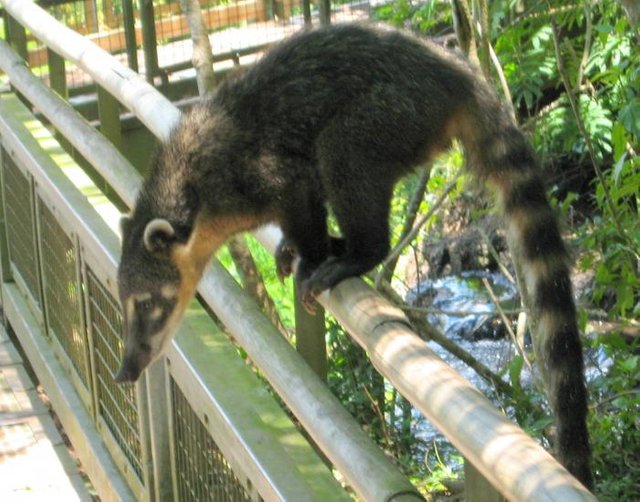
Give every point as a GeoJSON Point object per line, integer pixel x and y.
{"type": "Point", "coordinates": [34, 461]}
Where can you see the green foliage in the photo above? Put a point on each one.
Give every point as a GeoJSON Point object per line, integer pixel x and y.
{"type": "Point", "coordinates": [527, 59]}
{"type": "Point", "coordinates": [599, 53]}
{"type": "Point", "coordinates": [281, 293]}
{"type": "Point", "coordinates": [557, 132]}
{"type": "Point", "coordinates": [439, 471]}
{"type": "Point", "coordinates": [599, 140]}
{"type": "Point", "coordinates": [431, 17]}
{"type": "Point", "coordinates": [352, 378]}
{"type": "Point", "coordinates": [615, 423]}
{"type": "Point", "coordinates": [614, 257]}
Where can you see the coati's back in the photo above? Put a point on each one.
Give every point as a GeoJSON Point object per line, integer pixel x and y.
{"type": "Point", "coordinates": [408, 86]}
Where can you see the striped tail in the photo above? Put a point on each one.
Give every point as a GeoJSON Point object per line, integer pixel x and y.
{"type": "Point", "coordinates": [500, 154]}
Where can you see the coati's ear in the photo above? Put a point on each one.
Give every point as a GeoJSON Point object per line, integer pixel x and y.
{"type": "Point", "coordinates": [158, 235]}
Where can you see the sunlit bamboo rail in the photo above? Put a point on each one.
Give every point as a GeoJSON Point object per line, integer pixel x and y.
{"type": "Point", "coordinates": [513, 462]}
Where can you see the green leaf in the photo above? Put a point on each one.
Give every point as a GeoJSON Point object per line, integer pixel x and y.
{"type": "Point", "coordinates": [630, 117]}
{"type": "Point", "coordinates": [617, 169]}
{"type": "Point", "coordinates": [629, 364]}
{"type": "Point", "coordinates": [515, 370]}
{"type": "Point", "coordinates": [618, 139]}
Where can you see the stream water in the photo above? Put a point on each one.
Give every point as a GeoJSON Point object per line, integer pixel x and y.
{"type": "Point", "coordinates": [467, 315]}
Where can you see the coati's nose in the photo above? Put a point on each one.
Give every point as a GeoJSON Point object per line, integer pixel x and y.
{"type": "Point", "coordinates": [128, 373]}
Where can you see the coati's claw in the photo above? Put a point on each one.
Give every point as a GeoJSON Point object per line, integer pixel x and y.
{"type": "Point", "coordinates": [327, 275]}
{"type": "Point", "coordinates": [308, 295]}
{"type": "Point", "coordinates": [309, 302]}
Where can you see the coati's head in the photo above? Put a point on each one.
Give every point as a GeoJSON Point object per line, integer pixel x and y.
{"type": "Point", "coordinates": [159, 270]}
{"type": "Point", "coordinates": [170, 237]}
{"type": "Point", "coordinates": [149, 283]}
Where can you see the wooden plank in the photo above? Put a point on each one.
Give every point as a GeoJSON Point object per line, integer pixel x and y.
{"type": "Point", "coordinates": [31, 443]}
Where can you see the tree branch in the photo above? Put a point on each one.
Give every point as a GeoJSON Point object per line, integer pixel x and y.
{"type": "Point", "coordinates": [393, 255]}
{"type": "Point", "coordinates": [388, 268]}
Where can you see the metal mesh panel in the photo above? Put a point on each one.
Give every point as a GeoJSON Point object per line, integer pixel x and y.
{"type": "Point", "coordinates": [19, 217]}
{"type": "Point", "coordinates": [62, 300]}
{"type": "Point", "coordinates": [202, 472]}
{"type": "Point", "coordinates": [116, 404]}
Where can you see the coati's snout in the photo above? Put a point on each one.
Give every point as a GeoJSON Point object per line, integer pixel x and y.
{"type": "Point", "coordinates": [150, 320]}
{"type": "Point", "coordinates": [131, 368]}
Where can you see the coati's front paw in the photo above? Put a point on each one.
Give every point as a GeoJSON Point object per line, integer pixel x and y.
{"type": "Point", "coordinates": [285, 255]}
{"type": "Point", "coordinates": [304, 271]}
{"type": "Point", "coordinates": [324, 277]}
{"type": "Point", "coordinates": [308, 300]}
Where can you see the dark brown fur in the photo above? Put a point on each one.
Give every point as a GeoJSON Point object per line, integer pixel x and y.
{"type": "Point", "coordinates": [337, 116]}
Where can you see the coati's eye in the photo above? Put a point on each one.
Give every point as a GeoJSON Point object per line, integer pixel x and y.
{"type": "Point", "coordinates": [144, 306]}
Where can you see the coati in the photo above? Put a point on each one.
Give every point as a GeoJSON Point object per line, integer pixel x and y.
{"type": "Point", "coordinates": [337, 115]}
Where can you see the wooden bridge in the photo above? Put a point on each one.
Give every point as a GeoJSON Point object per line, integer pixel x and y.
{"type": "Point", "coordinates": [200, 425]}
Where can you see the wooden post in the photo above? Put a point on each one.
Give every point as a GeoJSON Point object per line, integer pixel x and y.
{"type": "Point", "coordinates": [306, 11]}
{"type": "Point", "coordinates": [57, 74]}
{"type": "Point", "coordinates": [17, 36]}
{"type": "Point", "coordinates": [286, 10]}
{"type": "Point", "coordinates": [325, 12]}
{"type": "Point", "coordinates": [149, 41]}
{"type": "Point", "coordinates": [477, 488]}
{"type": "Point", "coordinates": [110, 19]}
{"type": "Point", "coordinates": [5, 266]}
{"type": "Point", "coordinates": [261, 10]}
{"type": "Point", "coordinates": [310, 343]}
{"type": "Point", "coordinates": [110, 126]}
{"type": "Point", "coordinates": [91, 16]}
{"type": "Point", "coordinates": [109, 110]}
{"type": "Point", "coordinates": [58, 82]}
{"type": "Point", "coordinates": [157, 393]}
{"type": "Point", "coordinates": [130, 34]}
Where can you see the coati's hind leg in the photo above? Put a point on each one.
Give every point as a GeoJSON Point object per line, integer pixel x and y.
{"type": "Point", "coordinates": [362, 211]}
{"type": "Point", "coordinates": [304, 225]}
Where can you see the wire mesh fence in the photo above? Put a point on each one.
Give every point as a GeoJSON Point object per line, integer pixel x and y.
{"type": "Point", "coordinates": [48, 254]}
{"type": "Point", "coordinates": [18, 199]}
{"type": "Point", "coordinates": [62, 293]}
{"type": "Point", "coordinates": [116, 404]}
{"type": "Point", "coordinates": [154, 37]}
{"type": "Point", "coordinates": [202, 473]}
